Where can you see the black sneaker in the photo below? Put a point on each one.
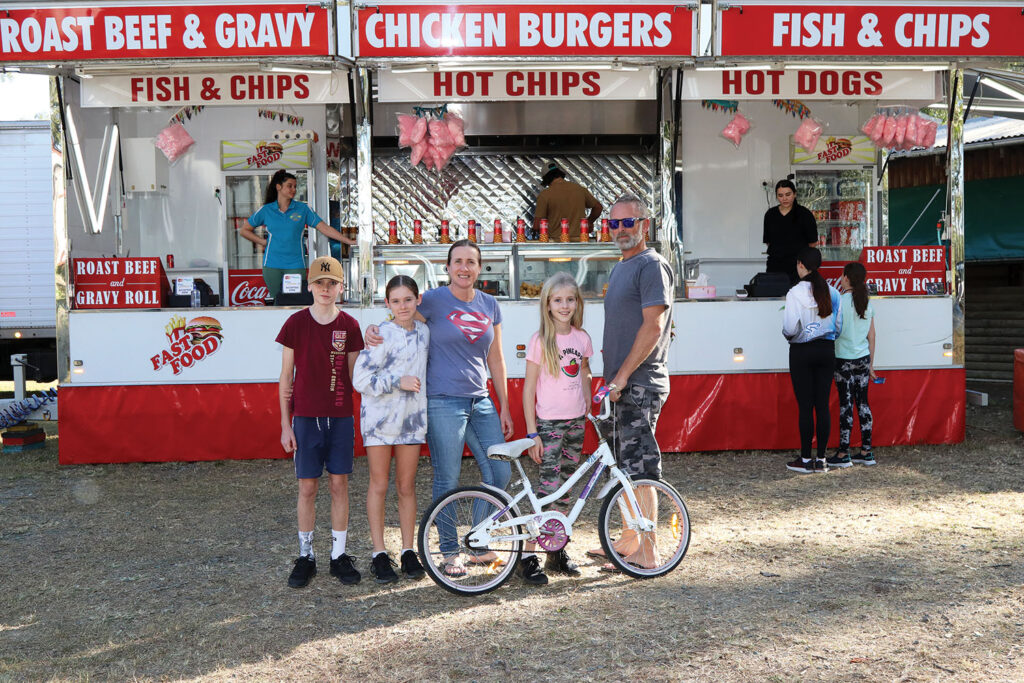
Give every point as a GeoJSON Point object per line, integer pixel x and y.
{"type": "Point", "coordinates": [841, 461]}
{"type": "Point", "coordinates": [382, 570]}
{"type": "Point", "coordinates": [302, 572]}
{"type": "Point", "coordinates": [561, 563]}
{"type": "Point", "coordinates": [411, 566]}
{"type": "Point", "coordinates": [342, 567]}
{"type": "Point", "coordinates": [801, 466]}
{"type": "Point", "coordinates": [529, 569]}
{"type": "Point", "coordinates": [818, 465]}
{"type": "Point", "coordinates": [865, 459]}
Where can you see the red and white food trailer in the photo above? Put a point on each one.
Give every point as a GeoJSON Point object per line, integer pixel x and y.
{"type": "Point", "coordinates": [625, 96]}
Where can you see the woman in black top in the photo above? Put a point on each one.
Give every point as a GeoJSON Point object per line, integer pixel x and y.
{"type": "Point", "coordinates": [788, 228]}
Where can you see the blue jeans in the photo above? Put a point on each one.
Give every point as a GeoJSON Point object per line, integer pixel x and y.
{"type": "Point", "coordinates": [452, 423]}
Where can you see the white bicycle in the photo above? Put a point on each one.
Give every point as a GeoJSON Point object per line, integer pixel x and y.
{"type": "Point", "coordinates": [643, 525]}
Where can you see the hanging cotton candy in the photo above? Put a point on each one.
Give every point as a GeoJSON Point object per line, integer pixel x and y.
{"type": "Point", "coordinates": [419, 131]}
{"type": "Point", "coordinates": [439, 135]}
{"type": "Point", "coordinates": [406, 125]}
{"type": "Point", "coordinates": [930, 129]}
{"type": "Point", "coordinates": [419, 149]}
{"type": "Point", "coordinates": [807, 134]}
{"type": "Point", "coordinates": [901, 130]}
{"type": "Point", "coordinates": [457, 128]}
{"type": "Point", "coordinates": [889, 132]}
{"type": "Point", "coordinates": [173, 141]}
{"type": "Point", "coordinates": [736, 129]}
{"type": "Point", "coordinates": [874, 122]}
{"type": "Point", "coordinates": [910, 138]}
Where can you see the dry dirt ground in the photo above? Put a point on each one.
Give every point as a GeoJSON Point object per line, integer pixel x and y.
{"type": "Point", "coordinates": [908, 571]}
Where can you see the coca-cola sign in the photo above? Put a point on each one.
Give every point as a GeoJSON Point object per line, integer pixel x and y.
{"type": "Point", "coordinates": [246, 288]}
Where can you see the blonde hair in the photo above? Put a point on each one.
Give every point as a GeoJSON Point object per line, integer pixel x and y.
{"type": "Point", "coordinates": [547, 334]}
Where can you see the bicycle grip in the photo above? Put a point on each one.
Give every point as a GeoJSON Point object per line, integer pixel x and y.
{"type": "Point", "coordinates": [601, 393]}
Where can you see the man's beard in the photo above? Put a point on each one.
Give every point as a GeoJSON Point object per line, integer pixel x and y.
{"type": "Point", "coordinates": [631, 241]}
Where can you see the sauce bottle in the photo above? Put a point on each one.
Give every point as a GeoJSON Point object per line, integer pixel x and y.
{"type": "Point", "coordinates": [584, 230]}
{"type": "Point", "coordinates": [520, 230]}
{"type": "Point", "coordinates": [543, 230]}
{"type": "Point", "coordinates": [565, 230]}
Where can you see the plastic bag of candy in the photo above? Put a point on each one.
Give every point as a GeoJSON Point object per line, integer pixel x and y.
{"type": "Point", "coordinates": [173, 141]}
{"type": "Point", "coordinates": [736, 128]}
{"type": "Point", "coordinates": [808, 133]}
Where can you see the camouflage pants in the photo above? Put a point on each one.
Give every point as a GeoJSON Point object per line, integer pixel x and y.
{"type": "Point", "coordinates": [852, 378]}
{"type": "Point", "coordinates": [636, 416]}
{"type": "Point", "coordinates": [563, 448]}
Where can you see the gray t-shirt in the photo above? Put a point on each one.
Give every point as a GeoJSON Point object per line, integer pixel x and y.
{"type": "Point", "coordinates": [643, 280]}
{"type": "Point", "coordinates": [461, 333]}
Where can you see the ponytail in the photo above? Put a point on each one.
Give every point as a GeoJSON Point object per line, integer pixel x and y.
{"type": "Point", "coordinates": [810, 258]}
{"type": "Point", "coordinates": [857, 276]}
{"type": "Point", "coordinates": [279, 177]}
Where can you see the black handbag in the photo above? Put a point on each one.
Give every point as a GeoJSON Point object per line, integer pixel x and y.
{"type": "Point", "coordinates": [768, 285]}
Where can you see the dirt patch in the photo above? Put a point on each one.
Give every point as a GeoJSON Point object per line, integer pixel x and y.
{"type": "Point", "coordinates": [907, 571]}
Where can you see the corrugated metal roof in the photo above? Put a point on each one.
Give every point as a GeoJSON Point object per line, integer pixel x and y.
{"type": "Point", "coordinates": [977, 129]}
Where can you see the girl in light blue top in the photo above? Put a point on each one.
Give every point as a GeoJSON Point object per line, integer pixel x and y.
{"type": "Point", "coordinates": [285, 220]}
{"type": "Point", "coordinates": [855, 355]}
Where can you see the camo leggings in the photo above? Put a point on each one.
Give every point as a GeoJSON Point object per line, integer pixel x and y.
{"type": "Point", "coordinates": [636, 417]}
{"type": "Point", "coordinates": [563, 448]}
{"type": "Point", "coordinates": [852, 378]}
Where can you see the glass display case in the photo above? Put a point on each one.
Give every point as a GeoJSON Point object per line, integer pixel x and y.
{"type": "Point", "coordinates": [590, 264]}
{"type": "Point", "coordinates": [841, 201]}
{"type": "Point", "coordinates": [425, 263]}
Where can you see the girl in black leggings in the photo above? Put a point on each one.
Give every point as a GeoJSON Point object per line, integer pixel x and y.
{"type": "Point", "coordinates": [812, 321]}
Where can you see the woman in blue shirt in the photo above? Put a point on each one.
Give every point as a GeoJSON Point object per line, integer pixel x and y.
{"type": "Point", "coordinates": [286, 221]}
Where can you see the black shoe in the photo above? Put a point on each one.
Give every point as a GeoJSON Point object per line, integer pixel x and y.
{"type": "Point", "coordinates": [801, 466]}
{"type": "Point", "coordinates": [411, 566]}
{"type": "Point", "coordinates": [840, 461]}
{"type": "Point", "coordinates": [529, 569]}
{"type": "Point", "coordinates": [818, 465]}
{"type": "Point", "coordinates": [382, 570]}
{"type": "Point", "coordinates": [342, 567]}
{"type": "Point", "coordinates": [561, 563]}
{"type": "Point", "coordinates": [865, 459]}
{"type": "Point", "coordinates": [302, 572]}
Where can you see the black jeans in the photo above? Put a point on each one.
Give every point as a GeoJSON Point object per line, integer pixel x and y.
{"type": "Point", "coordinates": [811, 366]}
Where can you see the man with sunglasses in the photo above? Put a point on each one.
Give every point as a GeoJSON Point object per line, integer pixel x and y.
{"type": "Point", "coordinates": [637, 327]}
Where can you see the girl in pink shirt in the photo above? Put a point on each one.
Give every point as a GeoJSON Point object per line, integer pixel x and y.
{"type": "Point", "coordinates": [555, 399]}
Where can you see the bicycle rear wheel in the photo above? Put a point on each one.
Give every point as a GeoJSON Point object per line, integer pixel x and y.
{"type": "Point", "coordinates": [644, 553]}
{"type": "Point", "coordinates": [443, 536]}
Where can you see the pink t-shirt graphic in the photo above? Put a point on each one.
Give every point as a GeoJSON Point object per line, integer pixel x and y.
{"type": "Point", "coordinates": [562, 397]}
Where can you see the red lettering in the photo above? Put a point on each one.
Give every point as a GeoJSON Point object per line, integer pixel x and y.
{"type": "Point", "coordinates": [485, 82]}
{"type": "Point", "coordinates": [136, 87]}
{"type": "Point", "coordinates": [302, 86]}
{"type": "Point", "coordinates": [806, 82]}
{"type": "Point", "coordinates": [256, 90]}
{"type": "Point", "coordinates": [828, 82]}
{"type": "Point", "coordinates": [535, 84]}
{"type": "Point", "coordinates": [873, 83]}
{"type": "Point", "coordinates": [464, 83]}
{"type": "Point", "coordinates": [732, 82]}
{"type": "Point", "coordinates": [591, 79]}
{"type": "Point", "coordinates": [775, 75]}
{"type": "Point", "coordinates": [755, 82]}
{"type": "Point", "coordinates": [237, 87]}
{"type": "Point", "coordinates": [513, 80]}
{"type": "Point", "coordinates": [570, 79]}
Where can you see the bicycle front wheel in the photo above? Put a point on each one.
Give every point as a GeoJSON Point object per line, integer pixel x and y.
{"type": "Point", "coordinates": [444, 547]}
{"type": "Point", "coordinates": [650, 541]}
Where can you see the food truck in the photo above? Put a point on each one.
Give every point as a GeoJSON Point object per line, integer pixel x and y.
{"type": "Point", "coordinates": [175, 113]}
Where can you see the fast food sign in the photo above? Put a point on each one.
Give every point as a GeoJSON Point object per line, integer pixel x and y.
{"type": "Point", "coordinates": [870, 29]}
{"type": "Point", "coordinates": [246, 155]}
{"type": "Point", "coordinates": [148, 90]}
{"type": "Point", "coordinates": [188, 343]}
{"type": "Point", "coordinates": [836, 149]}
{"type": "Point", "coordinates": [525, 30]}
{"type": "Point", "coordinates": [60, 33]}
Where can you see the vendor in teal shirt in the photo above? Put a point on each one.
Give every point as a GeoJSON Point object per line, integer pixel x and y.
{"type": "Point", "coordinates": [286, 221]}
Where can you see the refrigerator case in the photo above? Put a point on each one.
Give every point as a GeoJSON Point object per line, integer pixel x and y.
{"type": "Point", "coordinates": [836, 182]}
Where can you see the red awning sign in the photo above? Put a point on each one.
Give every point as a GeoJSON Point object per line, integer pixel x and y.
{"type": "Point", "coordinates": [160, 32]}
{"type": "Point", "coordinates": [872, 30]}
{"type": "Point", "coordinates": [507, 29]}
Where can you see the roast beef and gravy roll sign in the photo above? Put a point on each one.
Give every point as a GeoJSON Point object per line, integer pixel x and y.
{"type": "Point", "coordinates": [119, 283]}
{"type": "Point", "coordinates": [56, 33]}
{"type": "Point", "coordinates": [526, 30]}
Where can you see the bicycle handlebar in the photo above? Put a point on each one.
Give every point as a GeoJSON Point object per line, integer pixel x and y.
{"type": "Point", "coordinates": [606, 405]}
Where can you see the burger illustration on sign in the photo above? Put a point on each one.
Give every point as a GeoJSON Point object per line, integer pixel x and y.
{"type": "Point", "coordinates": [188, 343]}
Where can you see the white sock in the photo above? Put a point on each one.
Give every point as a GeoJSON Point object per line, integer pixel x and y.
{"type": "Point", "coordinates": [406, 550]}
{"type": "Point", "coordinates": [338, 547]}
{"type": "Point", "coordinates": [306, 543]}
{"type": "Point", "coordinates": [379, 552]}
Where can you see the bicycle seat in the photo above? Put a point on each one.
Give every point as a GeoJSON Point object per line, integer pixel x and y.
{"type": "Point", "coordinates": [510, 450]}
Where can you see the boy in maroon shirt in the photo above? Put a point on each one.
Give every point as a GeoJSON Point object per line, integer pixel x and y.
{"type": "Point", "coordinates": [321, 344]}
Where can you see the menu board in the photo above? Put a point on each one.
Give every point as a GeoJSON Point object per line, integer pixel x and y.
{"type": "Point", "coordinates": [119, 283]}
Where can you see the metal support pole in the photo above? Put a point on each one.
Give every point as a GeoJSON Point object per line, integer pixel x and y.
{"type": "Point", "coordinates": [364, 183]}
{"type": "Point", "coordinates": [955, 206]}
{"type": "Point", "coordinates": [18, 362]}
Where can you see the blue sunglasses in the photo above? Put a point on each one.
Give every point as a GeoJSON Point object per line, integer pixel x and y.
{"type": "Point", "coordinates": [627, 223]}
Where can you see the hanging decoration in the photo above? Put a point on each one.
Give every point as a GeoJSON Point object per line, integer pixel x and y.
{"type": "Point", "coordinates": [736, 128]}
{"type": "Point", "coordinates": [433, 134]}
{"type": "Point", "coordinates": [186, 112]}
{"type": "Point", "coordinates": [793, 108]}
{"type": "Point", "coordinates": [900, 127]}
{"type": "Point", "coordinates": [290, 119]}
{"type": "Point", "coordinates": [728, 106]}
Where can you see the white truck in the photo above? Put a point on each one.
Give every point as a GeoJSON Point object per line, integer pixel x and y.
{"type": "Point", "coordinates": [27, 283]}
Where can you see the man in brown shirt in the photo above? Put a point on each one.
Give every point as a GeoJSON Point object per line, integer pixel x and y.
{"type": "Point", "coordinates": [564, 199]}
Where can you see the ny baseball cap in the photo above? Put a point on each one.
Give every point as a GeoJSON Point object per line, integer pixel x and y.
{"type": "Point", "coordinates": [325, 267]}
{"type": "Point", "coordinates": [547, 167]}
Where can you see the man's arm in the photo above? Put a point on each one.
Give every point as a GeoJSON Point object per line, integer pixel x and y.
{"type": "Point", "coordinates": [595, 208]}
{"type": "Point", "coordinates": [646, 339]}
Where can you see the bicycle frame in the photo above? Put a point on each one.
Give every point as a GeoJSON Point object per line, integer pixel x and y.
{"type": "Point", "coordinates": [481, 536]}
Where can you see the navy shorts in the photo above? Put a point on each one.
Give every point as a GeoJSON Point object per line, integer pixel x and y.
{"type": "Point", "coordinates": [322, 441]}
